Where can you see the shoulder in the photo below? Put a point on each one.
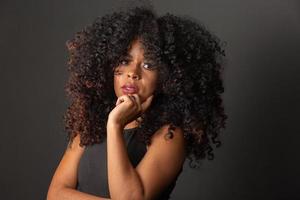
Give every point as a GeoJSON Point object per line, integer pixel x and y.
{"type": "Point", "coordinates": [168, 134]}
{"type": "Point", "coordinates": [74, 144]}
{"type": "Point", "coordinates": [66, 173]}
{"type": "Point", "coordinates": [169, 140]}
{"type": "Point", "coordinates": [163, 160]}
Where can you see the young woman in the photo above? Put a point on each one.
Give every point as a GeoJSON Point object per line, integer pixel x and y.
{"type": "Point", "coordinates": [145, 94]}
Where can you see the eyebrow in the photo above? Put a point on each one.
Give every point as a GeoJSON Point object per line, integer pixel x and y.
{"type": "Point", "coordinates": [129, 57]}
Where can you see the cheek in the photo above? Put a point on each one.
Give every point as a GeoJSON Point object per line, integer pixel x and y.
{"type": "Point", "coordinates": [117, 86]}
{"type": "Point", "coordinates": [152, 83]}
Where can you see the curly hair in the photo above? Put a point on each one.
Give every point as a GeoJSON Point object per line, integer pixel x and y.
{"type": "Point", "coordinates": [188, 95]}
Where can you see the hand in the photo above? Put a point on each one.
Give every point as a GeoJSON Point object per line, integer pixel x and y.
{"type": "Point", "coordinates": [128, 108]}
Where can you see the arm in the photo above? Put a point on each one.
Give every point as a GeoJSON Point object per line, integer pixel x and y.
{"type": "Point", "coordinates": [158, 168]}
{"type": "Point", "coordinates": [64, 181]}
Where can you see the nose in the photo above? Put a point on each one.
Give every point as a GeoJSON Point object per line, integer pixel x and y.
{"type": "Point", "coordinates": [133, 72]}
{"type": "Point", "coordinates": [133, 76]}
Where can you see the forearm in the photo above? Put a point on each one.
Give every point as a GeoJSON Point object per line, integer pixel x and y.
{"type": "Point", "coordinates": [71, 194]}
{"type": "Point", "coordinates": [123, 180]}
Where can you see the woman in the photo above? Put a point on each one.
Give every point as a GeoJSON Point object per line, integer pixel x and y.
{"type": "Point", "coordinates": [145, 94]}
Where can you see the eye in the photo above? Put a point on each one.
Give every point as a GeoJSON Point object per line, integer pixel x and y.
{"type": "Point", "coordinates": [148, 66]}
{"type": "Point", "coordinates": [117, 73]}
{"type": "Point", "coordinates": [123, 62]}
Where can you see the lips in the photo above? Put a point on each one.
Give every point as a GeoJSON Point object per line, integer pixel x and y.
{"type": "Point", "coordinates": [129, 89]}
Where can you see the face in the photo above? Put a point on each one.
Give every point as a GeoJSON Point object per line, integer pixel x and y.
{"type": "Point", "coordinates": [135, 74]}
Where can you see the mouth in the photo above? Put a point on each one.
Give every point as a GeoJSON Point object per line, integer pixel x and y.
{"type": "Point", "coordinates": [129, 89]}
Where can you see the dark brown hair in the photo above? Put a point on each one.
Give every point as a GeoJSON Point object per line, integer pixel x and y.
{"type": "Point", "coordinates": [190, 87]}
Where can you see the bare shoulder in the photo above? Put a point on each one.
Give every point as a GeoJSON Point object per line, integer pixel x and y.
{"type": "Point", "coordinates": [168, 131]}
{"type": "Point", "coordinates": [168, 135]}
{"type": "Point", "coordinates": [163, 160]}
{"type": "Point", "coordinates": [66, 173]}
{"type": "Point", "coordinates": [169, 139]}
{"type": "Point", "coordinates": [75, 145]}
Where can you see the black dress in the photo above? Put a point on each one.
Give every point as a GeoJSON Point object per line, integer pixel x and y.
{"type": "Point", "coordinates": [92, 171]}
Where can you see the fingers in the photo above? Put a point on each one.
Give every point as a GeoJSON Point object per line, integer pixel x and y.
{"type": "Point", "coordinates": [120, 100]}
{"type": "Point", "coordinates": [127, 98]}
{"type": "Point", "coordinates": [123, 98]}
{"type": "Point", "coordinates": [132, 98]}
{"type": "Point", "coordinates": [135, 99]}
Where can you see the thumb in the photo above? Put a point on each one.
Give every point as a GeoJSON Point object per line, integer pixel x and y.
{"type": "Point", "coordinates": [146, 103]}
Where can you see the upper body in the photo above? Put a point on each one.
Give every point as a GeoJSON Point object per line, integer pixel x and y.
{"type": "Point", "coordinates": [92, 170]}
{"type": "Point", "coordinates": [153, 171]}
{"type": "Point", "coordinates": [164, 156]}
{"type": "Point", "coordinates": [133, 69]}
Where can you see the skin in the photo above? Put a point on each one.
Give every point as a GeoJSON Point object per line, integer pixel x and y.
{"type": "Point", "coordinates": [137, 70]}
{"type": "Point", "coordinates": [141, 182]}
{"type": "Point", "coordinates": [165, 157]}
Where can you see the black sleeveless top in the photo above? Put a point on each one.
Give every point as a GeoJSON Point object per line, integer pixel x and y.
{"type": "Point", "coordinates": [92, 171]}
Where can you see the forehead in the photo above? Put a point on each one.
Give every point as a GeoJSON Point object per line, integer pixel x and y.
{"type": "Point", "coordinates": [136, 48]}
{"type": "Point", "coordinates": [143, 47]}
{"type": "Point", "coordinates": [139, 49]}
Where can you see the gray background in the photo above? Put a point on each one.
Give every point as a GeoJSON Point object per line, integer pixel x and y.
{"type": "Point", "coordinates": [259, 157]}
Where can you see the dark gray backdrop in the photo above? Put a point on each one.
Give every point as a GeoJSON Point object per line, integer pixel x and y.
{"type": "Point", "coordinates": [259, 158]}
